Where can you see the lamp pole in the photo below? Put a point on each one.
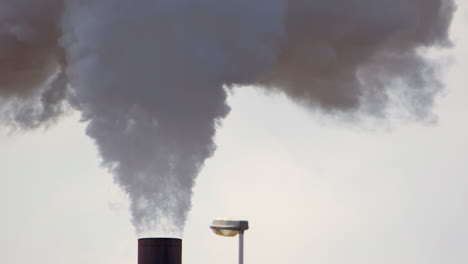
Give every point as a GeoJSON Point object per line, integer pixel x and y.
{"type": "Point", "coordinates": [241, 247]}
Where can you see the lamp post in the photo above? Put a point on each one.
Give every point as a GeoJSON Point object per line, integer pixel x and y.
{"type": "Point", "coordinates": [231, 228]}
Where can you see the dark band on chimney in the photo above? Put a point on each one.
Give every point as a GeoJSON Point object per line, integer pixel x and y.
{"type": "Point", "coordinates": [159, 251]}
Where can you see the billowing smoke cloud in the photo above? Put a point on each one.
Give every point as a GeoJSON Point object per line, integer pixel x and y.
{"type": "Point", "coordinates": [150, 76]}
{"type": "Point", "coordinates": [347, 55]}
{"type": "Point", "coordinates": [32, 83]}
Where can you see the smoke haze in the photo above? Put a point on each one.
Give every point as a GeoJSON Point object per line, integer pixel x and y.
{"type": "Point", "coordinates": [150, 76]}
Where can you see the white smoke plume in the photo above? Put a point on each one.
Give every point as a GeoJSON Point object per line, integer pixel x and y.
{"type": "Point", "coordinates": [150, 76]}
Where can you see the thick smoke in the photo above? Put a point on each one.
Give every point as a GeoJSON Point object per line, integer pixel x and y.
{"type": "Point", "coordinates": [150, 76]}
{"type": "Point", "coordinates": [347, 55]}
{"type": "Point", "coordinates": [32, 82]}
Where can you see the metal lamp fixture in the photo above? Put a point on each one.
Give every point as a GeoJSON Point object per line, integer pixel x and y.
{"type": "Point", "coordinates": [232, 228]}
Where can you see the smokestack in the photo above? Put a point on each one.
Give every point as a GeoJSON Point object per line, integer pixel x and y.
{"type": "Point", "coordinates": [159, 251]}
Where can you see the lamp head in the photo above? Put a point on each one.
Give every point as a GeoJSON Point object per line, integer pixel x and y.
{"type": "Point", "coordinates": [229, 228]}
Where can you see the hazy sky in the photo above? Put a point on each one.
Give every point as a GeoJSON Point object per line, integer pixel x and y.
{"type": "Point", "coordinates": [314, 190]}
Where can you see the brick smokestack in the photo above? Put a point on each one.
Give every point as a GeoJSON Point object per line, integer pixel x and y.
{"type": "Point", "coordinates": [159, 251]}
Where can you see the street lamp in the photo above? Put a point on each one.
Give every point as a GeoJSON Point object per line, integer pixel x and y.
{"type": "Point", "coordinates": [231, 228]}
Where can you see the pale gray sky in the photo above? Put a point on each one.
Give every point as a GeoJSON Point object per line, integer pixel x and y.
{"type": "Point", "coordinates": [313, 189]}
